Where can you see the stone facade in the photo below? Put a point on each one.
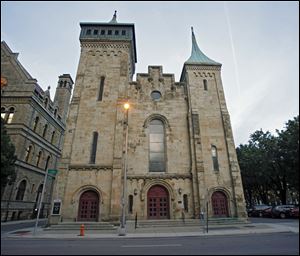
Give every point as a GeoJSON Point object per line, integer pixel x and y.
{"type": "Point", "coordinates": [36, 126]}
{"type": "Point", "coordinates": [196, 151]}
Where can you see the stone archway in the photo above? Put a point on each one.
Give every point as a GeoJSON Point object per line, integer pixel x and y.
{"type": "Point", "coordinates": [88, 209]}
{"type": "Point", "coordinates": [219, 204]}
{"type": "Point", "coordinates": [158, 206]}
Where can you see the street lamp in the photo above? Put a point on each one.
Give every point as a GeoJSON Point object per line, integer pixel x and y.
{"type": "Point", "coordinates": [40, 203]}
{"type": "Point", "coordinates": [122, 230]}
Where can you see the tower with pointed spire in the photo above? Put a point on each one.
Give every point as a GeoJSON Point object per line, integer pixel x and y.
{"type": "Point", "coordinates": [211, 131]}
{"type": "Point", "coordinates": [174, 164]}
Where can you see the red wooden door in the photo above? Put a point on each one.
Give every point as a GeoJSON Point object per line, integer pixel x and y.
{"type": "Point", "coordinates": [219, 204]}
{"type": "Point", "coordinates": [88, 206]}
{"type": "Point", "coordinates": [158, 203]}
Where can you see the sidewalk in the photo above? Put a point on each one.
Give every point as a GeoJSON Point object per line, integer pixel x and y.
{"type": "Point", "coordinates": [131, 232]}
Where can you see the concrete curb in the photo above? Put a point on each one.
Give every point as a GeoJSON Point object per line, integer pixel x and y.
{"type": "Point", "coordinates": [147, 233]}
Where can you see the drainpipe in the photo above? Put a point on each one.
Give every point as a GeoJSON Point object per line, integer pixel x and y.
{"type": "Point", "coordinates": [193, 168]}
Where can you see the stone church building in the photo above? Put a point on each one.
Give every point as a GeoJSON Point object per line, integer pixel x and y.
{"type": "Point", "coordinates": [36, 126]}
{"type": "Point", "coordinates": [173, 148]}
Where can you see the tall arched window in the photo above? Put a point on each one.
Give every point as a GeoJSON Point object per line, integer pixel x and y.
{"type": "Point", "coordinates": [52, 136]}
{"type": "Point", "coordinates": [214, 154]}
{"type": "Point", "coordinates": [21, 190]}
{"type": "Point", "coordinates": [47, 162]}
{"type": "Point", "coordinates": [205, 84]}
{"type": "Point", "coordinates": [38, 158]}
{"type": "Point", "coordinates": [94, 148]}
{"type": "Point", "coordinates": [156, 146]}
{"type": "Point", "coordinates": [45, 130]}
{"type": "Point", "coordinates": [10, 115]}
{"type": "Point", "coordinates": [185, 203]}
{"type": "Point", "coordinates": [35, 124]}
{"type": "Point", "coordinates": [130, 203]}
{"type": "Point", "coordinates": [28, 152]}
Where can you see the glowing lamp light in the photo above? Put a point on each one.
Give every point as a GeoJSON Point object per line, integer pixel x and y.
{"type": "Point", "coordinates": [126, 106]}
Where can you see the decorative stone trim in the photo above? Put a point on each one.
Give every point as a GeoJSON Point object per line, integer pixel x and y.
{"type": "Point", "coordinates": [216, 68]}
{"type": "Point", "coordinates": [159, 176]}
{"type": "Point", "coordinates": [105, 45]}
{"type": "Point", "coordinates": [90, 168]}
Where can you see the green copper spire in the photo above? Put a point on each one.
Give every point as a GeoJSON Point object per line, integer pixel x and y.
{"type": "Point", "coordinates": [198, 57]}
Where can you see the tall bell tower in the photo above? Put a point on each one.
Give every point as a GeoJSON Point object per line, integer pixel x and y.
{"type": "Point", "coordinates": [93, 144]}
{"type": "Point", "coordinates": [213, 152]}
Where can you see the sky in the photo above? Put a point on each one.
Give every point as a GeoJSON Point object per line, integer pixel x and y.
{"type": "Point", "coordinates": [256, 42]}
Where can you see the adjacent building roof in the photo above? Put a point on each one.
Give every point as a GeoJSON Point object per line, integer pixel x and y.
{"type": "Point", "coordinates": [197, 56]}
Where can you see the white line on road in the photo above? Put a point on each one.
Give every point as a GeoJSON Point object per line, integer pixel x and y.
{"type": "Point", "coordinates": [151, 245]}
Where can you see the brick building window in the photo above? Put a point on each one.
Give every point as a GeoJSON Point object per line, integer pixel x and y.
{"type": "Point", "coordinates": [35, 124]}
{"type": "Point", "coordinates": [28, 152]}
{"type": "Point", "coordinates": [21, 190]}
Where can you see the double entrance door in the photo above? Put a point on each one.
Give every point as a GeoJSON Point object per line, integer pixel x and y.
{"type": "Point", "coordinates": [158, 203]}
{"type": "Point", "coordinates": [88, 206]}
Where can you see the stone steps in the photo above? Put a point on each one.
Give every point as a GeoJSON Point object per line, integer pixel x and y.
{"type": "Point", "coordinates": [87, 226]}
{"type": "Point", "coordinates": [191, 222]}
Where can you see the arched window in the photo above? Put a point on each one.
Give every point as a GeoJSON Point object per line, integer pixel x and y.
{"type": "Point", "coordinates": [94, 148]}
{"type": "Point", "coordinates": [205, 84]}
{"type": "Point", "coordinates": [156, 146]}
{"type": "Point", "coordinates": [55, 112]}
{"type": "Point", "coordinates": [214, 154]}
{"type": "Point", "coordinates": [45, 130]}
{"type": "Point", "coordinates": [35, 124]}
{"type": "Point", "coordinates": [47, 162]}
{"type": "Point", "coordinates": [38, 158]}
{"type": "Point", "coordinates": [21, 190]}
{"type": "Point", "coordinates": [130, 203]}
{"type": "Point", "coordinates": [101, 88]}
{"type": "Point", "coordinates": [61, 83]}
{"type": "Point", "coordinates": [52, 136]}
{"type": "Point", "coordinates": [3, 113]}
{"type": "Point", "coordinates": [10, 115]}
{"type": "Point", "coordinates": [28, 152]}
{"type": "Point", "coordinates": [38, 195]}
{"type": "Point", "coordinates": [185, 203]}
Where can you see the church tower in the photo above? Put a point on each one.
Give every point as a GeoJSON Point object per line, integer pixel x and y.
{"type": "Point", "coordinates": [151, 160]}
{"type": "Point", "coordinates": [215, 169]}
{"type": "Point", "coordinates": [63, 95]}
{"type": "Point", "coordinates": [95, 121]}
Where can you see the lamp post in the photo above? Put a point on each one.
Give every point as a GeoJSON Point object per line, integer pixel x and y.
{"type": "Point", "coordinates": [122, 230]}
{"type": "Point", "coordinates": [40, 204]}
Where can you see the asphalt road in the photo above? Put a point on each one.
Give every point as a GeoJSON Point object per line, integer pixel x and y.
{"type": "Point", "coordinates": [255, 244]}
{"type": "Point", "coordinates": [15, 225]}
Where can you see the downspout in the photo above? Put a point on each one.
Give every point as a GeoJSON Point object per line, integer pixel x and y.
{"type": "Point", "coordinates": [192, 170]}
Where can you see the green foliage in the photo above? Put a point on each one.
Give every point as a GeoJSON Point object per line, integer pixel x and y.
{"type": "Point", "coordinates": [270, 164]}
{"type": "Point", "coordinates": [8, 158]}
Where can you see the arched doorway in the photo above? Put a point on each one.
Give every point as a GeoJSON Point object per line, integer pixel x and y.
{"type": "Point", "coordinates": [219, 204]}
{"type": "Point", "coordinates": [88, 206]}
{"type": "Point", "coordinates": [158, 203]}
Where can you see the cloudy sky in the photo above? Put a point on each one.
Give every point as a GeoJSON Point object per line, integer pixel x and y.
{"type": "Point", "coordinates": [256, 42]}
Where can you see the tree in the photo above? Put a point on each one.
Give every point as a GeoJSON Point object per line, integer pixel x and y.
{"type": "Point", "coordinates": [8, 158]}
{"type": "Point", "coordinates": [270, 164]}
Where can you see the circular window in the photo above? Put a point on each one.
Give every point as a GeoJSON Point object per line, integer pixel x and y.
{"type": "Point", "coordinates": [155, 95]}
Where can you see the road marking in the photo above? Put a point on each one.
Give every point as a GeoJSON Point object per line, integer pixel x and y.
{"type": "Point", "coordinates": [152, 245]}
